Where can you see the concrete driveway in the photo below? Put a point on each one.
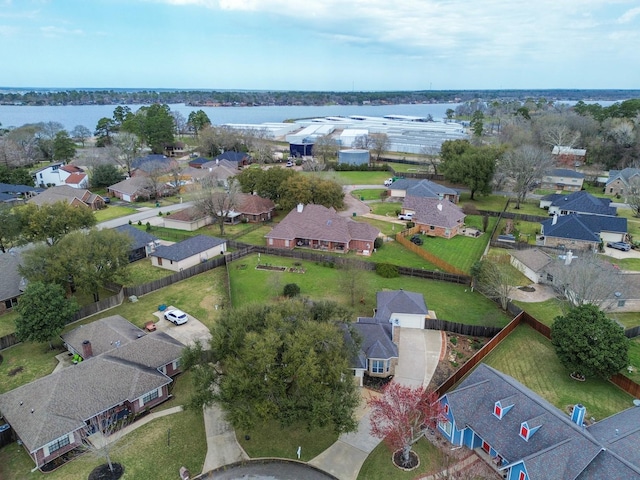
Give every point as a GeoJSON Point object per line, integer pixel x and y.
{"type": "Point", "coordinates": [612, 252]}
{"type": "Point", "coordinates": [188, 333]}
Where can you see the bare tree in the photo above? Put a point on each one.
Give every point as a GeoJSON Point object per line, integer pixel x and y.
{"type": "Point", "coordinates": [325, 148]}
{"type": "Point", "coordinates": [155, 179]}
{"type": "Point", "coordinates": [494, 276]}
{"type": "Point", "coordinates": [217, 203]}
{"type": "Point", "coordinates": [351, 279]}
{"type": "Point", "coordinates": [179, 122]}
{"type": "Point", "coordinates": [430, 154]}
{"type": "Point", "coordinates": [102, 433]}
{"type": "Point", "coordinates": [127, 147]}
{"type": "Point", "coordinates": [524, 167]}
{"type": "Point", "coordinates": [26, 141]}
{"type": "Point", "coordinates": [380, 143]}
{"type": "Point", "coordinates": [587, 279]}
{"type": "Point", "coordinates": [633, 195]}
{"type": "Point", "coordinates": [80, 133]}
{"type": "Point", "coordinates": [561, 136]}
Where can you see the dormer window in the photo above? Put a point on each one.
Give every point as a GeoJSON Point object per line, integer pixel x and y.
{"type": "Point", "coordinates": [497, 410]}
{"type": "Point", "coordinates": [446, 409]}
{"type": "Point", "coordinates": [524, 431]}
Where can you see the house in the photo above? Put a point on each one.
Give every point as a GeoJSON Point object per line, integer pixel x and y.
{"type": "Point", "coordinates": [563, 179]}
{"type": "Point", "coordinates": [189, 219]}
{"type": "Point", "coordinates": [319, 227]}
{"type": "Point", "coordinates": [377, 355]}
{"type": "Point", "coordinates": [130, 190]}
{"type": "Point", "coordinates": [622, 182]}
{"type": "Point", "coordinates": [405, 187]}
{"type": "Point", "coordinates": [239, 159]}
{"type": "Point", "coordinates": [401, 309]}
{"type": "Point", "coordinates": [56, 174]}
{"type": "Point", "coordinates": [531, 263]}
{"type": "Point", "coordinates": [572, 157]}
{"type": "Point", "coordinates": [15, 194]}
{"type": "Point", "coordinates": [124, 373]}
{"type": "Point", "coordinates": [254, 208]}
{"type": "Point", "coordinates": [218, 171]}
{"type": "Point", "coordinates": [581, 232]}
{"type": "Point", "coordinates": [198, 162]}
{"type": "Point", "coordinates": [142, 243]}
{"type": "Point", "coordinates": [143, 166]}
{"type": "Point", "coordinates": [73, 196]}
{"type": "Point", "coordinates": [77, 180]}
{"type": "Point", "coordinates": [12, 283]}
{"type": "Point", "coordinates": [434, 217]}
{"type": "Point", "coordinates": [524, 437]}
{"type": "Point", "coordinates": [175, 149]}
{"type": "Point", "coordinates": [188, 253]}
{"type": "Point", "coordinates": [577, 202]}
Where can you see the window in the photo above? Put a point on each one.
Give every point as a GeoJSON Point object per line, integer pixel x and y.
{"type": "Point", "coordinates": [524, 431]}
{"type": "Point", "coordinates": [58, 444]}
{"type": "Point", "coordinates": [446, 427]}
{"type": "Point", "coordinates": [522, 476]}
{"type": "Point", "coordinates": [431, 227]}
{"type": "Point", "coordinates": [378, 366]}
{"type": "Point", "coordinates": [446, 409]}
{"type": "Point", "coordinates": [549, 277]}
{"type": "Point", "coordinates": [621, 303]}
{"type": "Point", "coordinates": [150, 396]}
{"type": "Point", "coordinates": [12, 302]}
{"type": "Point", "coordinates": [497, 410]}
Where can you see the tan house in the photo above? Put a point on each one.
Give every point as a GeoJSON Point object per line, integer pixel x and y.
{"type": "Point", "coordinates": [563, 179]}
{"type": "Point", "coordinates": [188, 253]}
{"type": "Point", "coordinates": [622, 182]}
{"type": "Point", "coordinates": [189, 219]}
{"type": "Point", "coordinates": [321, 228]}
{"type": "Point", "coordinates": [436, 218]}
{"type": "Point", "coordinates": [73, 196]}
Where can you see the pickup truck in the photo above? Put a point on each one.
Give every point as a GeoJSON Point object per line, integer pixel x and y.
{"type": "Point", "coordinates": [405, 216]}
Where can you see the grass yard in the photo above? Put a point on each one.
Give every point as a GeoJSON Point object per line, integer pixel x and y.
{"type": "Point", "coordinates": [368, 194]}
{"type": "Point", "coordinates": [360, 178]}
{"type": "Point", "coordinates": [142, 272]}
{"type": "Point", "coordinates": [386, 208]}
{"type": "Point", "coordinates": [634, 360]}
{"type": "Point", "coordinates": [256, 237]}
{"type": "Point", "coordinates": [545, 312]}
{"type": "Point", "coordinates": [494, 203]}
{"type": "Point", "coordinates": [540, 370]}
{"type": "Point", "coordinates": [26, 362]}
{"type": "Point", "coordinates": [8, 323]}
{"type": "Point", "coordinates": [112, 212]}
{"type": "Point", "coordinates": [271, 440]}
{"type": "Point", "coordinates": [450, 301]}
{"type": "Point", "coordinates": [378, 465]}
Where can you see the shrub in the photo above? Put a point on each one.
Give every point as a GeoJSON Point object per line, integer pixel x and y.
{"type": "Point", "coordinates": [130, 222]}
{"type": "Point", "coordinates": [139, 222]}
{"type": "Point", "coordinates": [378, 242]}
{"type": "Point", "coordinates": [291, 290]}
{"type": "Point", "coordinates": [148, 225]}
{"type": "Point", "coordinates": [386, 270]}
{"type": "Point", "coordinates": [160, 213]}
{"type": "Point", "coordinates": [454, 340]}
{"type": "Point", "coordinates": [411, 224]}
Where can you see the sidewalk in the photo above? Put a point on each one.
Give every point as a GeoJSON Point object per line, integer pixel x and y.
{"type": "Point", "coordinates": [222, 446]}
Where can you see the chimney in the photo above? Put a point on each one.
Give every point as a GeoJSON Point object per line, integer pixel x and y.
{"type": "Point", "coordinates": [568, 257]}
{"type": "Point", "coordinates": [87, 351]}
{"type": "Point", "coordinates": [211, 169]}
{"type": "Point", "coordinates": [217, 161]}
{"type": "Point", "coordinates": [577, 415]}
{"type": "Point", "coordinates": [300, 207]}
{"type": "Point", "coordinates": [555, 219]}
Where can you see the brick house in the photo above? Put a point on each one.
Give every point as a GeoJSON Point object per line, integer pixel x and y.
{"type": "Point", "coordinates": [622, 182]}
{"type": "Point", "coordinates": [581, 232]}
{"type": "Point", "coordinates": [73, 196]}
{"type": "Point", "coordinates": [435, 217]}
{"type": "Point", "coordinates": [406, 187]}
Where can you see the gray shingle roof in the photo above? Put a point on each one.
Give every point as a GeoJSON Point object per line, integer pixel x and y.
{"type": "Point", "coordinates": [422, 188]}
{"type": "Point", "coordinates": [139, 238]}
{"type": "Point", "coordinates": [624, 175]}
{"type": "Point", "coordinates": [375, 341]}
{"type": "Point", "coordinates": [533, 258]}
{"type": "Point", "coordinates": [399, 301]}
{"type": "Point", "coordinates": [10, 279]}
{"type": "Point", "coordinates": [432, 211]}
{"type": "Point", "coordinates": [104, 334]}
{"type": "Point", "coordinates": [187, 248]}
{"type": "Point", "coordinates": [565, 172]}
{"type": "Point", "coordinates": [61, 193]}
{"type": "Point", "coordinates": [130, 186]}
{"type": "Point", "coordinates": [584, 202]}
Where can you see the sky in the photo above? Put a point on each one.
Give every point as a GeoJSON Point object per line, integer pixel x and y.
{"type": "Point", "coordinates": [321, 45]}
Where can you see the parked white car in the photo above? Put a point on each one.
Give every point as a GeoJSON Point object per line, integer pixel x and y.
{"type": "Point", "coordinates": [178, 317]}
{"type": "Point", "coordinates": [406, 216]}
{"type": "Point", "coordinates": [388, 182]}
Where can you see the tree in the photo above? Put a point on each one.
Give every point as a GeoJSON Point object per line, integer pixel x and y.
{"type": "Point", "coordinates": [401, 414]}
{"type": "Point", "coordinates": [44, 311]}
{"type": "Point", "coordinates": [127, 146]}
{"type": "Point", "coordinates": [15, 175]}
{"type": "Point", "coordinates": [524, 166]}
{"type": "Point", "coordinates": [49, 223]}
{"type": "Point", "coordinates": [197, 121]}
{"type": "Point", "coordinates": [285, 361]}
{"type": "Point", "coordinates": [450, 113]}
{"type": "Point", "coordinates": [477, 123]}
{"type": "Point", "coordinates": [179, 122]}
{"type": "Point", "coordinates": [560, 135]}
{"type": "Point", "coordinates": [494, 277]}
{"type": "Point", "coordinates": [104, 128]}
{"type": "Point", "coordinates": [105, 175]}
{"type": "Point", "coordinates": [218, 204]}
{"type": "Point", "coordinates": [291, 290]}
{"type": "Point", "coordinates": [470, 165]}
{"type": "Point", "coordinates": [351, 279]}
{"type": "Point", "coordinates": [325, 148]}
{"type": "Point", "coordinates": [80, 133]}
{"type": "Point", "coordinates": [108, 428]}
{"type": "Point", "coordinates": [46, 133]}
{"type": "Point", "coordinates": [11, 227]}
{"type": "Point", "coordinates": [590, 344]}
{"type": "Point", "coordinates": [380, 143]}
{"type": "Point", "coordinates": [588, 280]}
{"type": "Point", "coordinates": [153, 125]}
{"type": "Point", "coordinates": [64, 148]}
{"type": "Point", "coordinates": [307, 189]}
{"type": "Point", "coordinates": [633, 195]}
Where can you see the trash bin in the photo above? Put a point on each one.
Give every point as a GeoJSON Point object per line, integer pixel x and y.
{"type": "Point", "coordinates": [157, 204]}
{"type": "Point", "coordinates": [354, 214]}
{"type": "Point", "coordinates": [162, 307]}
{"type": "Point", "coordinates": [361, 198]}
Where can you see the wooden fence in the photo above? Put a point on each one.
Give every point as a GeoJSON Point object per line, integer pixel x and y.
{"type": "Point", "coordinates": [461, 328]}
{"type": "Point", "coordinates": [632, 332]}
{"type": "Point", "coordinates": [8, 341]}
{"type": "Point", "coordinates": [96, 307]}
{"type": "Point", "coordinates": [401, 238]}
{"type": "Point", "coordinates": [435, 275]}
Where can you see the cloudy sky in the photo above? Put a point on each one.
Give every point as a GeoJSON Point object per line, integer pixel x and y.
{"type": "Point", "coordinates": [338, 45]}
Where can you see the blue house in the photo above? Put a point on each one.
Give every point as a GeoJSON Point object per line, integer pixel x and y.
{"type": "Point", "coordinates": [581, 232]}
{"type": "Point", "coordinates": [577, 202]}
{"type": "Point", "coordinates": [526, 438]}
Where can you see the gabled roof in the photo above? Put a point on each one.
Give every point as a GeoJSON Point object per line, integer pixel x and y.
{"type": "Point", "coordinates": [564, 172]}
{"type": "Point", "coordinates": [152, 350]}
{"type": "Point", "coordinates": [105, 334]}
{"type": "Point", "coordinates": [61, 193]}
{"type": "Point", "coordinates": [432, 211]}
{"type": "Point", "coordinates": [130, 186]}
{"type": "Point", "coordinates": [139, 238]}
{"type": "Point", "coordinates": [422, 188]}
{"type": "Point", "coordinates": [321, 223]}
{"type": "Point", "coordinates": [11, 281]}
{"type": "Point", "coordinates": [560, 449]}
{"type": "Point", "coordinates": [532, 258]}
{"type": "Point", "coordinates": [71, 169]}
{"type": "Point", "coordinates": [187, 248]}
{"type": "Point", "coordinates": [375, 342]}
{"type": "Point", "coordinates": [253, 204]}
{"type": "Point", "coordinates": [399, 301]}
{"type": "Point", "coordinates": [624, 175]}
{"type": "Point", "coordinates": [198, 161]}
{"type": "Point", "coordinates": [583, 227]}
{"type": "Point", "coordinates": [221, 171]}
{"type": "Point", "coordinates": [584, 202]}
{"type": "Point", "coordinates": [233, 156]}
{"type": "Point", "coordinates": [186, 215]}
{"type": "Point", "coordinates": [620, 433]}
{"type": "Point", "coordinates": [9, 188]}
{"type": "Point", "coordinates": [152, 162]}
{"type": "Point", "coordinates": [47, 167]}
{"type": "Point", "coordinates": [76, 178]}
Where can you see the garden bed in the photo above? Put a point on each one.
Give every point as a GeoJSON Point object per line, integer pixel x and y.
{"type": "Point", "coordinates": [459, 349]}
{"type": "Point", "coordinates": [277, 268]}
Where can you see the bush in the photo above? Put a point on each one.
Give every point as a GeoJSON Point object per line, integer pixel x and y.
{"type": "Point", "coordinates": [130, 222]}
{"type": "Point", "coordinates": [454, 340]}
{"type": "Point", "coordinates": [378, 242]}
{"type": "Point", "coordinates": [148, 227]}
{"type": "Point", "coordinates": [291, 290]}
{"type": "Point", "coordinates": [139, 222]}
{"type": "Point", "coordinates": [386, 270]}
{"type": "Point", "coordinates": [411, 224]}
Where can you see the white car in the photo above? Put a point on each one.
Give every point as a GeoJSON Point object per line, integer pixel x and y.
{"type": "Point", "coordinates": [176, 316]}
{"type": "Point", "coordinates": [388, 182]}
{"type": "Point", "coordinates": [406, 216]}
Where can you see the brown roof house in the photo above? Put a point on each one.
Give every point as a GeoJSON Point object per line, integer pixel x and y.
{"type": "Point", "coordinates": [435, 217]}
{"type": "Point", "coordinates": [189, 219]}
{"type": "Point", "coordinates": [70, 195]}
{"type": "Point", "coordinates": [188, 253]}
{"type": "Point", "coordinates": [124, 372]}
{"type": "Point", "coordinates": [130, 190]}
{"type": "Point", "coordinates": [319, 227]}
{"type": "Point", "coordinates": [254, 208]}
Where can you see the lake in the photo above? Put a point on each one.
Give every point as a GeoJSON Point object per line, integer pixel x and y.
{"type": "Point", "coordinates": [88, 115]}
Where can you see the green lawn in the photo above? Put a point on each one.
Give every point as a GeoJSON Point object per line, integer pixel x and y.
{"type": "Point", "coordinates": [112, 212]}
{"type": "Point", "coordinates": [368, 194]}
{"type": "Point", "coordinates": [26, 362]}
{"type": "Point", "coordinates": [378, 465]}
{"type": "Point", "coordinates": [8, 323]}
{"type": "Point", "coordinates": [144, 453]}
{"type": "Point", "coordinates": [450, 301]}
{"type": "Point", "coordinates": [545, 312]}
{"type": "Point", "coordinates": [361, 178]}
{"type": "Point", "coordinates": [494, 203]}
{"type": "Point", "coordinates": [634, 360]}
{"type": "Point", "coordinates": [530, 358]}
{"type": "Point", "coordinates": [388, 209]}
{"type": "Point", "coordinates": [142, 272]}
